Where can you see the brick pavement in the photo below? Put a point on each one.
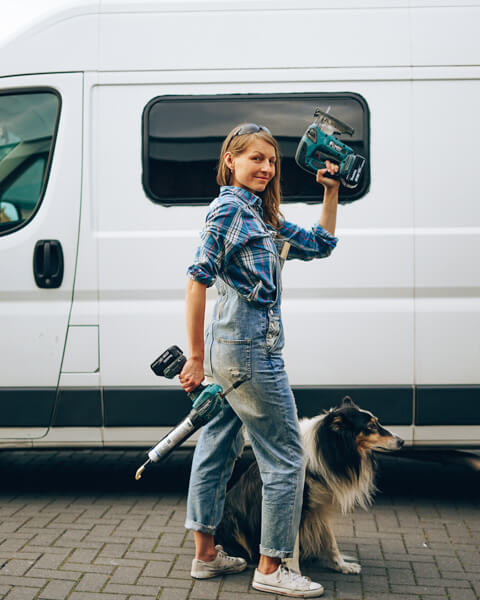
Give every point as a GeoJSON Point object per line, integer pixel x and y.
{"type": "Point", "coordinates": [74, 524]}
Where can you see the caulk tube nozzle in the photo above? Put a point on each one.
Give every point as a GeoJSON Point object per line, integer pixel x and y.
{"type": "Point", "coordinates": [175, 437]}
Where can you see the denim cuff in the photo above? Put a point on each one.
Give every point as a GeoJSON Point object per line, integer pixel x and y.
{"type": "Point", "coordinates": [189, 524]}
{"type": "Point", "coordinates": [275, 553]}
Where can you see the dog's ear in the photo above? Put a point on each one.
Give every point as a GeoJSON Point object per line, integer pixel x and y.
{"type": "Point", "coordinates": [347, 401]}
{"type": "Point", "coordinates": [337, 423]}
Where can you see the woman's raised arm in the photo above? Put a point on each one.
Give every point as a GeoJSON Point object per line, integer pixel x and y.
{"type": "Point", "coordinates": [328, 218]}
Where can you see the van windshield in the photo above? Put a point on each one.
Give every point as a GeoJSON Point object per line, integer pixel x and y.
{"type": "Point", "coordinates": [27, 125]}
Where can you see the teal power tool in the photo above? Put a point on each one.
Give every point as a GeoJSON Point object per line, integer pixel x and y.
{"type": "Point", "coordinates": [319, 144]}
{"type": "Point", "coordinates": [207, 403]}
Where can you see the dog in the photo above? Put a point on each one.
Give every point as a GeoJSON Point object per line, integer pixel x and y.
{"type": "Point", "coordinates": [340, 471]}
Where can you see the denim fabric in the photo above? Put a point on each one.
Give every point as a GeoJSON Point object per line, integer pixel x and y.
{"type": "Point", "coordinates": [244, 341]}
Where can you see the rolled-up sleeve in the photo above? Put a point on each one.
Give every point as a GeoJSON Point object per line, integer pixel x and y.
{"type": "Point", "coordinates": [220, 235]}
{"type": "Point", "coordinates": [307, 244]}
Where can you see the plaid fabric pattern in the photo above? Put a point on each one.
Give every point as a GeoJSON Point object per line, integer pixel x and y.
{"type": "Point", "coordinates": [238, 246]}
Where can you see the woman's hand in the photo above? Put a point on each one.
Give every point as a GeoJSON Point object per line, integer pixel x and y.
{"type": "Point", "coordinates": [192, 374]}
{"type": "Point", "coordinates": [327, 182]}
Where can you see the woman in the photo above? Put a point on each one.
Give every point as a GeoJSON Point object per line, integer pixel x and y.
{"type": "Point", "coordinates": [243, 233]}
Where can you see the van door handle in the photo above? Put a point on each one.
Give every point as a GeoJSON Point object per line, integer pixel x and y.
{"type": "Point", "coordinates": [48, 264]}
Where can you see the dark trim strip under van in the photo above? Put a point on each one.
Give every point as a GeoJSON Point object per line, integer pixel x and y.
{"type": "Point", "coordinates": [164, 407]}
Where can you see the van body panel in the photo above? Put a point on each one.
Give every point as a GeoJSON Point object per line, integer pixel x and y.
{"type": "Point", "coordinates": [81, 350]}
{"type": "Point", "coordinates": [118, 36]}
{"type": "Point", "coordinates": [456, 27]}
{"type": "Point", "coordinates": [447, 232]}
{"type": "Point", "coordinates": [209, 32]}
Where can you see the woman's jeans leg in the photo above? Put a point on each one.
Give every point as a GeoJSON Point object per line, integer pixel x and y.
{"type": "Point", "coordinates": [219, 444]}
{"type": "Point", "coordinates": [267, 407]}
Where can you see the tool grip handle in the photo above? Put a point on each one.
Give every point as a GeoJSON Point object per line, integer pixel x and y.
{"type": "Point", "coordinates": [196, 392]}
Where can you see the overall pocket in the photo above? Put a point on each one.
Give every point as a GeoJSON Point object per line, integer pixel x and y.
{"type": "Point", "coordinates": [274, 338]}
{"type": "Point", "coordinates": [232, 359]}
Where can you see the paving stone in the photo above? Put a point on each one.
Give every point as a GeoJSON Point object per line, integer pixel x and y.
{"type": "Point", "coordinates": [251, 595]}
{"type": "Point", "coordinates": [54, 574]}
{"type": "Point", "coordinates": [124, 562]}
{"type": "Point", "coordinates": [13, 544]}
{"type": "Point", "coordinates": [91, 582]}
{"type": "Point", "coordinates": [428, 591]}
{"type": "Point", "coordinates": [142, 545]}
{"type": "Point", "coordinates": [398, 576]}
{"type": "Point", "coordinates": [469, 558]}
{"type": "Point", "coordinates": [113, 550]}
{"type": "Point", "coordinates": [170, 582]}
{"type": "Point", "coordinates": [22, 580]}
{"type": "Point", "coordinates": [142, 590]}
{"type": "Point", "coordinates": [449, 564]}
{"type": "Point", "coordinates": [84, 568]}
{"type": "Point", "coordinates": [453, 583]}
{"type": "Point", "coordinates": [393, 545]}
{"type": "Point", "coordinates": [173, 594]}
{"type": "Point", "coordinates": [83, 555]}
{"type": "Point", "coordinates": [426, 570]}
{"type": "Point", "coordinates": [21, 593]}
{"type": "Point", "coordinates": [126, 575]}
{"type": "Point", "coordinates": [44, 539]}
{"type": "Point", "coordinates": [51, 561]}
{"type": "Point", "coordinates": [461, 594]}
{"type": "Point", "coordinates": [157, 569]}
{"type": "Point", "coordinates": [179, 573]}
{"type": "Point", "coordinates": [171, 539]}
{"type": "Point", "coordinates": [154, 556]}
{"type": "Point", "coordinates": [376, 583]}
{"type": "Point", "coordinates": [206, 590]}
{"type": "Point", "coordinates": [96, 596]}
{"type": "Point", "coordinates": [16, 567]}
{"type": "Point", "coordinates": [389, 596]}
{"type": "Point", "coordinates": [349, 590]}
{"type": "Point", "coordinates": [56, 590]}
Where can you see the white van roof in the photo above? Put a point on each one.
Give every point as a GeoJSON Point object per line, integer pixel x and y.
{"type": "Point", "coordinates": [132, 35]}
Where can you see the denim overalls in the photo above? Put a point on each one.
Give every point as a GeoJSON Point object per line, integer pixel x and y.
{"type": "Point", "coordinates": [244, 341]}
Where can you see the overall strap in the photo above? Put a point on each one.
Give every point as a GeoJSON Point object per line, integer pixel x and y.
{"type": "Point", "coordinates": [284, 253]}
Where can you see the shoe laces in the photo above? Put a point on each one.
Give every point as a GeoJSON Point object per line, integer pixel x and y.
{"type": "Point", "coordinates": [295, 576]}
{"type": "Point", "coordinates": [222, 554]}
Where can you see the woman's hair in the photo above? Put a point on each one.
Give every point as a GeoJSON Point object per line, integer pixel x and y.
{"type": "Point", "coordinates": [271, 196]}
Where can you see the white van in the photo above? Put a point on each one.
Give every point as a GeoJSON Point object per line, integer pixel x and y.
{"type": "Point", "coordinates": [111, 118]}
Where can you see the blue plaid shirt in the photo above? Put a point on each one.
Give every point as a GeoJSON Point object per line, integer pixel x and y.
{"type": "Point", "coordinates": [241, 249]}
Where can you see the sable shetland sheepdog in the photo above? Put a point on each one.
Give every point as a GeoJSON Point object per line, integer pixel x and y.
{"type": "Point", "coordinates": [340, 470]}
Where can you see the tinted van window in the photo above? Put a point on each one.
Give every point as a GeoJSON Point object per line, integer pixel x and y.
{"type": "Point", "coordinates": [27, 131]}
{"type": "Point", "coordinates": [182, 138]}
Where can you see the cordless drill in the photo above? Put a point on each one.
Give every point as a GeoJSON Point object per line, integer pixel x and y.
{"type": "Point", "coordinates": [207, 403]}
{"type": "Point", "coordinates": [319, 143]}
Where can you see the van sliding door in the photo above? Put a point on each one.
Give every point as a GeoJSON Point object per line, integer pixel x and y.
{"type": "Point", "coordinates": [40, 174]}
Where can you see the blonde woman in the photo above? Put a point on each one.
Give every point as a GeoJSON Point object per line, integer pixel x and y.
{"type": "Point", "coordinates": [239, 252]}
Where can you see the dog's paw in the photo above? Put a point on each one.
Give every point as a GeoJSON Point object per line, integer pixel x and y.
{"type": "Point", "coordinates": [342, 566]}
{"type": "Point", "coordinates": [351, 567]}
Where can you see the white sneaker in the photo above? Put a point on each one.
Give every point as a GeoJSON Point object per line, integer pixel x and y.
{"type": "Point", "coordinates": [221, 565]}
{"type": "Point", "coordinates": [287, 582]}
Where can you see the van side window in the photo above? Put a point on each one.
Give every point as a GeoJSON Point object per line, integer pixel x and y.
{"type": "Point", "coordinates": [27, 132]}
{"type": "Point", "coordinates": [182, 136]}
